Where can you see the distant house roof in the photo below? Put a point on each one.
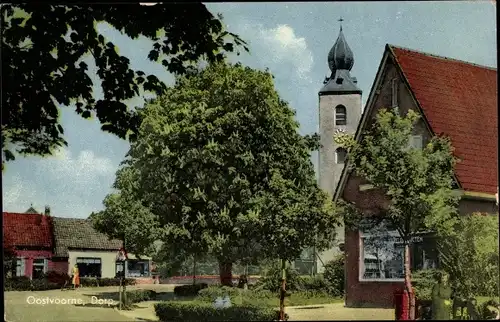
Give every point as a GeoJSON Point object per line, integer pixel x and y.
{"type": "Point", "coordinates": [74, 233]}
{"type": "Point", "coordinates": [458, 99]}
{"type": "Point", "coordinates": [27, 230]}
{"type": "Point", "coordinates": [31, 210]}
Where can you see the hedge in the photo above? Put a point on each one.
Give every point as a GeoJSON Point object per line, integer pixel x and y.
{"type": "Point", "coordinates": [94, 282]}
{"type": "Point", "coordinates": [313, 283]}
{"type": "Point", "coordinates": [138, 296]}
{"type": "Point", "coordinates": [24, 283]}
{"type": "Point", "coordinates": [194, 311]}
{"type": "Point", "coordinates": [54, 280]}
{"type": "Point", "coordinates": [236, 295]}
{"type": "Point", "coordinates": [189, 290]}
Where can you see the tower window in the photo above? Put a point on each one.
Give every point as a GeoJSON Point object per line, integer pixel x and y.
{"type": "Point", "coordinates": [394, 85]}
{"type": "Point", "coordinates": [340, 115]}
{"type": "Point", "coordinates": [340, 155]}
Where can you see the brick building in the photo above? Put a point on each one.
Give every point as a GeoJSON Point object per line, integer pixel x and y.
{"type": "Point", "coordinates": [454, 98]}
{"type": "Point", "coordinates": [29, 236]}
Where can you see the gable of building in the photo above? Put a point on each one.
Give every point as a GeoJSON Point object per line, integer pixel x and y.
{"type": "Point", "coordinates": [79, 234]}
{"type": "Point", "coordinates": [389, 90]}
{"type": "Point", "coordinates": [458, 99]}
{"type": "Point", "coordinates": [396, 64]}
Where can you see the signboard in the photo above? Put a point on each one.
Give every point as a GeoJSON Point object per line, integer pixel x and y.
{"type": "Point", "coordinates": [224, 302]}
{"type": "Point", "coordinates": [121, 255]}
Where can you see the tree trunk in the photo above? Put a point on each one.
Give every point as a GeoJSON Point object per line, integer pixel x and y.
{"type": "Point", "coordinates": [226, 273]}
{"type": "Point", "coordinates": [408, 285]}
{"type": "Point", "coordinates": [283, 290]}
{"type": "Point", "coordinates": [194, 269]}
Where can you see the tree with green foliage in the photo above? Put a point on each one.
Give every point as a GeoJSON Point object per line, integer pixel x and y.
{"type": "Point", "coordinates": [125, 218]}
{"type": "Point", "coordinates": [221, 164]}
{"type": "Point", "coordinates": [43, 47]}
{"type": "Point", "coordinates": [417, 182]}
{"type": "Point", "coordinates": [469, 254]}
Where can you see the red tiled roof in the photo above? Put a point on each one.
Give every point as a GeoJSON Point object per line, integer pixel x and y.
{"type": "Point", "coordinates": [459, 99]}
{"type": "Point", "coordinates": [27, 230]}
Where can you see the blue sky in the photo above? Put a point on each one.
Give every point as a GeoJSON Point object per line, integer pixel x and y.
{"type": "Point", "coordinates": [292, 40]}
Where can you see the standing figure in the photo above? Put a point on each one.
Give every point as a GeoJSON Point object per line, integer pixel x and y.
{"type": "Point", "coordinates": [76, 277]}
{"type": "Point", "coordinates": [441, 294]}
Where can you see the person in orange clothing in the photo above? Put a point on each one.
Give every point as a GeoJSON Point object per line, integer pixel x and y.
{"type": "Point", "coordinates": [76, 277]}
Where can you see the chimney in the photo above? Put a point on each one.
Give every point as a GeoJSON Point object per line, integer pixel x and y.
{"type": "Point", "coordinates": [47, 211]}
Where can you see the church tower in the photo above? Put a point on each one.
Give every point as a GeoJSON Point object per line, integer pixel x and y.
{"type": "Point", "coordinates": [339, 111]}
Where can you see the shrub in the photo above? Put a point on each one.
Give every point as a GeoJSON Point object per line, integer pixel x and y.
{"type": "Point", "coordinates": [89, 282]}
{"type": "Point", "coordinates": [189, 290]}
{"type": "Point", "coordinates": [58, 278]}
{"type": "Point", "coordinates": [182, 311]}
{"type": "Point", "coordinates": [24, 283]}
{"type": "Point", "coordinates": [94, 282]}
{"type": "Point", "coordinates": [237, 295]}
{"type": "Point", "coordinates": [313, 283]}
{"type": "Point", "coordinates": [309, 294]}
{"type": "Point", "coordinates": [469, 254]}
{"type": "Point", "coordinates": [423, 281]}
{"type": "Point", "coordinates": [334, 276]}
{"type": "Point", "coordinates": [43, 284]}
{"type": "Point", "coordinates": [21, 283]}
{"type": "Point", "coordinates": [271, 280]}
{"type": "Point", "coordinates": [138, 296]}
{"type": "Point", "coordinates": [210, 293]}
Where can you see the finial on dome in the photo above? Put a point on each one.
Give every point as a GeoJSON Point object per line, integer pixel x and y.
{"type": "Point", "coordinates": [340, 20]}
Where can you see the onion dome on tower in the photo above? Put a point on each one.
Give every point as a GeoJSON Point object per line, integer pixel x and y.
{"type": "Point", "coordinates": [340, 61]}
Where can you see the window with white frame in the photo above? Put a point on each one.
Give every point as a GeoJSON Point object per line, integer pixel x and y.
{"type": "Point", "coordinates": [18, 267]}
{"type": "Point", "coordinates": [394, 96]}
{"type": "Point", "coordinates": [89, 267]}
{"type": "Point", "coordinates": [39, 267]}
{"type": "Point", "coordinates": [382, 255]}
{"type": "Point", "coordinates": [340, 115]}
{"type": "Point", "coordinates": [137, 268]}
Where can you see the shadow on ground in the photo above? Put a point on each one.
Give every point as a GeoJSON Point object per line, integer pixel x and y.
{"type": "Point", "coordinates": [309, 308]}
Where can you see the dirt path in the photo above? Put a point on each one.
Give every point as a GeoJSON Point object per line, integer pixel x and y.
{"type": "Point", "coordinates": [336, 312]}
{"type": "Point", "coordinates": [84, 304]}
{"type": "Point", "coordinates": [331, 312]}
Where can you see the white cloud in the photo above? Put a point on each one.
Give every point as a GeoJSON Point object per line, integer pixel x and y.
{"type": "Point", "coordinates": [83, 169]}
{"type": "Point", "coordinates": [283, 45]}
{"type": "Point", "coordinates": [19, 194]}
{"type": "Point", "coordinates": [72, 185]}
